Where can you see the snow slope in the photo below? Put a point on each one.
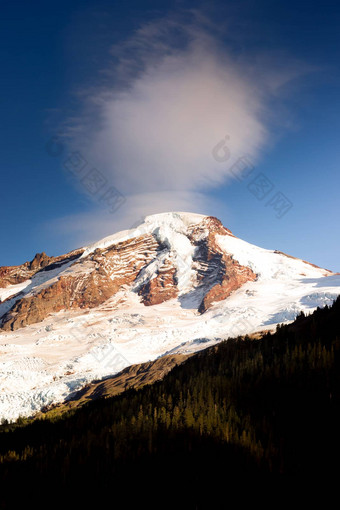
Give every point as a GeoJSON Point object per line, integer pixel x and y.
{"type": "Point", "coordinates": [45, 363]}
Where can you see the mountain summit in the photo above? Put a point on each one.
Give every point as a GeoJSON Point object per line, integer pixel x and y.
{"type": "Point", "coordinates": [176, 283]}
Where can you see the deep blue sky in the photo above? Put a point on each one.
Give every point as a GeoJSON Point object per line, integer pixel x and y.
{"type": "Point", "coordinates": [49, 49]}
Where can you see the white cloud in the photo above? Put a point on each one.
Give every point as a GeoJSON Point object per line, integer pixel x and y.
{"type": "Point", "coordinates": [171, 94]}
{"type": "Point", "coordinates": [82, 229]}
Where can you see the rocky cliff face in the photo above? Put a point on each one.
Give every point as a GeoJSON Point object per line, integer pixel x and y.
{"type": "Point", "coordinates": [148, 263]}
{"type": "Point", "coordinates": [12, 275]}
{"type": "Point", "coordinates": [218, 273]}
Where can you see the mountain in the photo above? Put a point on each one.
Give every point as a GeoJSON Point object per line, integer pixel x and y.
{"type": "Point", "coordinates": [177, 283]}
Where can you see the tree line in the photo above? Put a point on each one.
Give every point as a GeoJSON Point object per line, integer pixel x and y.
{"type": "Point", "coordinates": [245, 409]}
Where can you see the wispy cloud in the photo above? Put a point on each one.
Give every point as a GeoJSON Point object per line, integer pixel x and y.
{"type": "Point", "coordinates": [81, 229]}
{"type": "Point", "coordinates": [172, 91]}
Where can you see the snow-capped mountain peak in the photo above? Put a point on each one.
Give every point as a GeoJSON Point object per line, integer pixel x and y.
{"type": "Point", "coordinates": [177, 282]}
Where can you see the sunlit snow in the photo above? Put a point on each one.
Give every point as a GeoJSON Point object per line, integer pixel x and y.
{"type": "Point", "coordinates": [46, 362]}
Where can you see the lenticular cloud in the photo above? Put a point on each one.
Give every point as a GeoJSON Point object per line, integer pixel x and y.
{"type": "Point", "coordinates": [172, 97]}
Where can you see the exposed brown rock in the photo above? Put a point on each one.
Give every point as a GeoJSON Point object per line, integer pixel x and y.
{"type": "Point", "coordinates": [109, 270]}
{"type": "Point", "coordinates": [218, 274]}
{"type": "Point", "coordinates": [210, 224]}
{"type": "Point", "coordinates": [161, 288]}
{"type": "Point", "coordinates": [11, 275]}
{"type": "Point", "coordinates": [40, 260]}
{"type": "Point", "coordinates": [94, 279]}
{"type": "Point", "coordinates": [235, 276]}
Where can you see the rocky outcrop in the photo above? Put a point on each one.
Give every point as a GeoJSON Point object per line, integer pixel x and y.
{"type": "Point", "coordinates": [66, 293]}
{"type": "Point", "coordinates": [161, 288]}
{"type": "Point", "coordinates": [12, 275]}
{"type": "Point", "coordinates": [233, 278]}
{"type": "Point", "coordinates": [86, 282]}
{"type": "Point", "coordinates": [91, 282]}
{"type": "Point", "coordinates": [218, 273]}
{"type": "Point", "coordinates": [40, 260]}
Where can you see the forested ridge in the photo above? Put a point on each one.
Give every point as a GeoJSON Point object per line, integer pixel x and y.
{"type": "Point", "coordinates": [266, 408]}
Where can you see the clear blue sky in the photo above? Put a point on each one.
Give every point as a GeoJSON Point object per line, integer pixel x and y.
{"type": "Point", "coordinates": [50, 49]}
